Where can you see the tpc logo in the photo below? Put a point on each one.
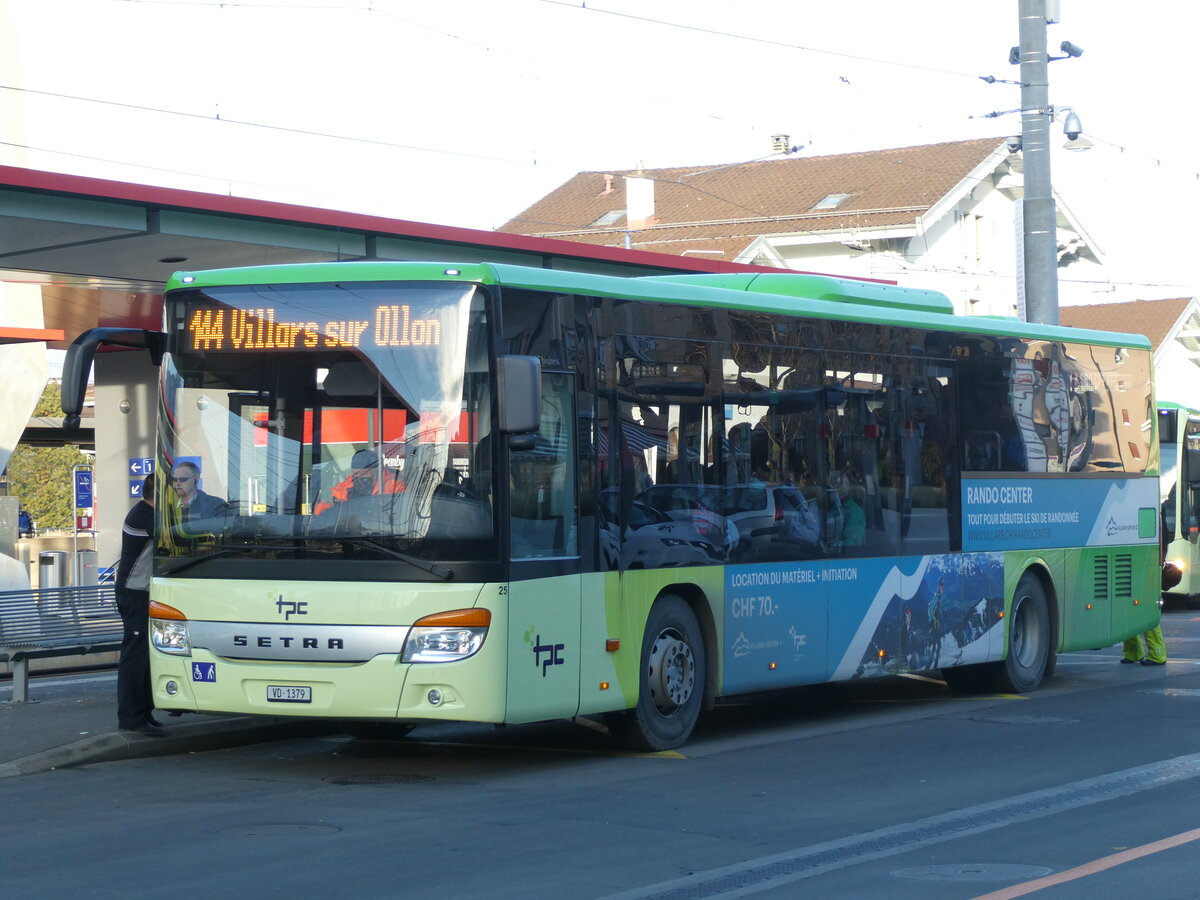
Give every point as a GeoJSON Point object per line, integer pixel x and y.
{"type": "Point", "coordinates": [544, 655]}
{"type": "Point", "coordinates": [291, 608]}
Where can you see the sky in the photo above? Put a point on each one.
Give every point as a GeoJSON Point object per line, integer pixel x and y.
{"type": "Point", "coordinates": [465, 112]}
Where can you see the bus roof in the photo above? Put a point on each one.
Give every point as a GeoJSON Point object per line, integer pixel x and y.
{"type": "Point", "coordinates": [1171, 404]}
{"type": "Point", "coordinates": [785, 293]}
{"type": "Point", "coordinates": [819, 287]}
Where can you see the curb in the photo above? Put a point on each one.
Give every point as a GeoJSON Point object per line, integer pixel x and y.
{"type": "Point", "coordinates": [190, 738]}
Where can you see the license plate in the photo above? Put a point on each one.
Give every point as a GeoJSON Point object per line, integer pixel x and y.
{"type": "Point", "coordinates": [289, 693]}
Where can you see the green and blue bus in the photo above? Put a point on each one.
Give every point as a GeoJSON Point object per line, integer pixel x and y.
{"type": "Point", "coordinates": [490, 493]}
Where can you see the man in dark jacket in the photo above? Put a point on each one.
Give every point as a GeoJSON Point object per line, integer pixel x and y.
{"type": "Point", "coordinates": [134, 703]}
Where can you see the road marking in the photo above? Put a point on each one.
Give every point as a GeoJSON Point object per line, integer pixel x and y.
{"type": "Point", "coordinates": [1091, 868]}
{"type": "Point", "coordinates": [1115, 660]}
{"type": "Point", "coordinates": [772, 872]}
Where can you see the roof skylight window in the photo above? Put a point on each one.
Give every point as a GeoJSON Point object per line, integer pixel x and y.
{"type": "Point", "coordinates": [833, 201]}
{"type": "Point", "coordinates": [609, 218]}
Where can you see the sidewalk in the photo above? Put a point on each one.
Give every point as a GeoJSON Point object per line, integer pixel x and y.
{"type": "Point", "coordinates": [74, 722]}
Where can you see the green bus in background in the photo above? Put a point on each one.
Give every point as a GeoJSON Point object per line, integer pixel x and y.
{"type": "Point", "coordinates": [1179, 442]}
{"type": "Point", "coordinates": [489, 493]}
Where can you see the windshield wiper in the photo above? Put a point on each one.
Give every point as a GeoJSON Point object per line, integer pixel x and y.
{"type": "Point", "coordinates": [230, 549]}
{"type": "Point", "coordinates": [431, 568]}
{"type": "Point", "coordinates": [191, 561]}
{"type": "Point", "coordinates": [223, 550]}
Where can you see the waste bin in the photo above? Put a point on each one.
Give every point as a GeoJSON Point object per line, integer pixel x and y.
{"type": "Point", "coordinates": [88, 573]}
{"type": "Point", "coordinates": [52, 569]}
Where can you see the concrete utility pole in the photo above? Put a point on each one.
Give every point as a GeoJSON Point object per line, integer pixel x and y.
{"type": "Point", "coordinates": [1040, 232]}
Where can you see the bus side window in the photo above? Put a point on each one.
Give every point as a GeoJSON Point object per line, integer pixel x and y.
{"type": "Point", "coordinates": [983, 451]}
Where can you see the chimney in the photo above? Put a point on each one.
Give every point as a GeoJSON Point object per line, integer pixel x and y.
{"type": "Point", "coordinates": [639, 202]}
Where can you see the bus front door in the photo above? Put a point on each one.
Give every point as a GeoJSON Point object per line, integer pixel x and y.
{"type": "Point", "coordinates": [545, 581]}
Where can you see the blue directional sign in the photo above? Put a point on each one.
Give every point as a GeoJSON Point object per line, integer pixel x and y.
{"type": "Point", "coordinates": [135, 488]}
{"type": "Point", "coordinates": [143, 465]}
{"type": "Point", "coordinates": [83, 487]}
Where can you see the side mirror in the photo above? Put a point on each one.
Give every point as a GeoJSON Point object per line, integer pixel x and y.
{"type": "Point", "coordinates": [519, 379]}
{"type": "Point", "coordinates": [78, 363]}
{"type": "Point", "coordinates": [526, 441]}
{"type": "Point", "coordinates": [1172, 574]}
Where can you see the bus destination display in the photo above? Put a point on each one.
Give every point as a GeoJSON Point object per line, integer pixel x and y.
{"type": "Point", "coordinates": [211, 327]}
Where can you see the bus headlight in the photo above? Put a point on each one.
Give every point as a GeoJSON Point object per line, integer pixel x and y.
{"type": "Point", "coordinates": [169, 630]}
{"type": "Point", "coordinates": [447, 637]}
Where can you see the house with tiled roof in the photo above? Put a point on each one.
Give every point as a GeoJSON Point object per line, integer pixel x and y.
{"type": "Point", "coordinates": [1173, 327]}
{"type": "Point", "coordinates": [941, 216]}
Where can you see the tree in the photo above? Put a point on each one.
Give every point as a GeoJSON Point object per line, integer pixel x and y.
{"type": "Point", "coordinates": [50, 404]}
{"type": "Point", "coordinates": [41, 476]}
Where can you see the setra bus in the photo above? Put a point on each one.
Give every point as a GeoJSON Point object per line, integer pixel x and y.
{"type": "Point", "coordinates": [1179, 449]}
{"type": "Point", "coordinates": [489, 493]}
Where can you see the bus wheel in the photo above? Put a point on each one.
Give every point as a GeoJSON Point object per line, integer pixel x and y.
{"type": "Point", "coordinates": [671, 685]}
{"type": "Point", "coordinates": [1029, 641]}
{"type": "Point", "coordinates": [378, 731]}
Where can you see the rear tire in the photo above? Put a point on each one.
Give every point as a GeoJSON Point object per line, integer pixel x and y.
{"type": "Point", "coordinates": [671, 684]}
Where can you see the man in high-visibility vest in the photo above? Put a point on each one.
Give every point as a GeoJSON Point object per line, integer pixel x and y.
{"type": "Point", "coordinates": [1155, 653]}
{"type": "Point", "coordinates": [364, 480]}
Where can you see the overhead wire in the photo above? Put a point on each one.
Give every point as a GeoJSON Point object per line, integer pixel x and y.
{"type": "Point", "coordinates": [263, 125]}
{"type": "Point", "coordinates": [584, 7]}
{"type": "Point", "coordinates": [368, 141]}
{"type": "Point", "coordinates": [372, 8]}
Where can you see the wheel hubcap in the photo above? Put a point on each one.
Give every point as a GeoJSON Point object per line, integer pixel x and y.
{"type": "Point", "coordinates": [672, 672]}
{"type": "Point", "coordinates": [1026, 635]}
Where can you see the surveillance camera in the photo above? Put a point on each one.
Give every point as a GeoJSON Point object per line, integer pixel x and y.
{"type": "Point", "coordinates": [1013, 143]}
{"type": "Point", "coordinates": [1072, 127]}
{"type": "Point", "coordinates": [1070, 49]}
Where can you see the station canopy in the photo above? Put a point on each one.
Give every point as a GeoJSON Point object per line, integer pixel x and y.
{"type": "Point", "coordinates": [102, 250]}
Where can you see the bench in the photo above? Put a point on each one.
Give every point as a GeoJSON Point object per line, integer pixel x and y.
{"type": "Point", "coordinates": [40, 624]}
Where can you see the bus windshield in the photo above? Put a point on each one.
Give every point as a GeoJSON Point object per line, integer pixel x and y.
{"type": "Point", "coordinates": [327, 420]}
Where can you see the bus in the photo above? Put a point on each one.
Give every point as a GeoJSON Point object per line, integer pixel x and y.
{"type": "Point", "coordinates": [495, 494]}
{"type": "Point", "coordinates": [1179, 443]}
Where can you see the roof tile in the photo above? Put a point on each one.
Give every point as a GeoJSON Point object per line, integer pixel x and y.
{"type": "Point", "coordinates": [1153, 318]}
{"type": "Point", "coordinates": [728, 206]}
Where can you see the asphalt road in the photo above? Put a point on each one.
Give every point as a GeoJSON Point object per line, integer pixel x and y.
{"type": "Point", "coordinates": [882, 789]}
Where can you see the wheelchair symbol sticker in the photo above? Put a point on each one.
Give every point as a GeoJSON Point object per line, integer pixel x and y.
{"type": "Point", "coordinates": [204, 671]}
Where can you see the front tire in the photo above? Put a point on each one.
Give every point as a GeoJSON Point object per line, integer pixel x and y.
{"type": "Point", "coordinates": [671, 684]}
